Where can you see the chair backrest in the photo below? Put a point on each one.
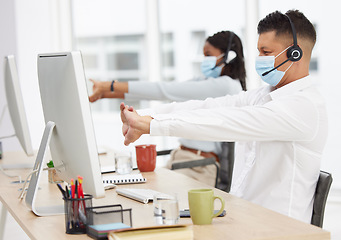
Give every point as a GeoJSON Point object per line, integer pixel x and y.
{"type": "Point", "coordinates": [226, 160]}
{"type": "Point", "coordinates": [322, 189]}
{"type": "Point", "coordinates": [224, 172]}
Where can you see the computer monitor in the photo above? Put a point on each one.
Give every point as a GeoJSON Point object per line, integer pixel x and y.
{"type": "Point", "coordinates": [15, 104]}
{"type": "Point", "coordinates": [68, 121]}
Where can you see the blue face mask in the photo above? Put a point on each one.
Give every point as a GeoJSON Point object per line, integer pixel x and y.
{"type": "Point", "coordinates": [267, 63]}
{"type": "Point", "coordinates": [209, 68]}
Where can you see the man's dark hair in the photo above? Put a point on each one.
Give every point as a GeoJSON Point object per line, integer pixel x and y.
{"type": "Point", "coordinates": [236, 67]}
{"type": "Point", "coordinates": [279, 23]}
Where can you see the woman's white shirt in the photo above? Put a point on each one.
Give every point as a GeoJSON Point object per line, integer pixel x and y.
{"type": "Point", "coordinates": [182, 91]}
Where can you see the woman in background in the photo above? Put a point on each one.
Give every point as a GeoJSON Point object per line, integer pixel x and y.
{"type": "Point", "coordinates": [224, 71]}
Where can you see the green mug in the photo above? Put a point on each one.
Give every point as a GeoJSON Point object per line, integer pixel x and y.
{"type": "Point", "coordinates": [201, 206]}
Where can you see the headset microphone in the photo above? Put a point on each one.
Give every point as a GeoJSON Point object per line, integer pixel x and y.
{"type": "Point", "coordinates": [294, 53]}
{"type": "Point", "coordinates": [267, 72]}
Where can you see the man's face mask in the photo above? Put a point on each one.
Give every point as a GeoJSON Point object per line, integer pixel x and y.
{"type": "Point", "coordinates": [267, 63]}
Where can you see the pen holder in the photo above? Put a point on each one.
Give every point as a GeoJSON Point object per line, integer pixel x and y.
{"type": "Point", "coordinates": [75, 214]}
{"type": "Point", "coordinates": [103, 219]}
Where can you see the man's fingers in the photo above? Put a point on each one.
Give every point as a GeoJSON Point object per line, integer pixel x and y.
{"type": "Point", "coordinates": [129, 108]}
{"type": "Point", "coordinates": [126, 142]}
{"type": "Point", "coordinates": [125, 129]}
{"type": "Point", "coordinates": [121, 106]}
{"type": "Point", "coordinates": [128, 116]}
{"type": "Point", "coordinates": [92, 98]}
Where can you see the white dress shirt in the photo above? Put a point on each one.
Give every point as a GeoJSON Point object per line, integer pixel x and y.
{"type": "Point", "coordinates": [197, 88]}
{"type": "Point", "coordinates": [281, 135]}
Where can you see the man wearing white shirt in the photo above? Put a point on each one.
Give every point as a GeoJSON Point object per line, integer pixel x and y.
{"type": "Point", "coordinates": [281, 129]}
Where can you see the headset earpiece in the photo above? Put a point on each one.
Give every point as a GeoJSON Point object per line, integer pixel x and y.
{"type": "Point", "coordinates": [294, 53]}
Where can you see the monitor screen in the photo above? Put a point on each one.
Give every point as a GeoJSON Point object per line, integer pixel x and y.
{"type": "Point", "coordinates": [65, 102]}
{"type": "Point", "coordinates": [15, 104]}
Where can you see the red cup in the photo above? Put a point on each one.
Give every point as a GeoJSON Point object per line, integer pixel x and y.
{"type": "Point", "coordinates": [146, 157]}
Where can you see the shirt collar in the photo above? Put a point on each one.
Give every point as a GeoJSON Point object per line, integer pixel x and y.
{"type": "Point", "coordinates": [293, 87]}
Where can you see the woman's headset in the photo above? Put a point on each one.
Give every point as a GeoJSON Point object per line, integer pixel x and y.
{"type": "Point", "coordinates": [225, 58]}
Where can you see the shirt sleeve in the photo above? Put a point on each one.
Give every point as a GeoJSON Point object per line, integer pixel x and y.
{"type": "Point", "coordinates": [290, 119]}
{"type": "Point", "coordinates": [239, 100]}
{"type": "Point", "coordinates": [183, 91]}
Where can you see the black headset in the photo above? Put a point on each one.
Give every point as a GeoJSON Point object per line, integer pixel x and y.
{"type": "Point", "coordinates": [227, 50]}
{"type": "Point", "coordinates": [294, 53]}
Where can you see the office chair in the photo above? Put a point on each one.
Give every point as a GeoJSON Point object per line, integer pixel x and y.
{"type": "Point", "coordinates": [322, 189]}
{"type": "Point", "coordinates": [224, 168]}
{"type": "Point", "coordinates": [226, 160]}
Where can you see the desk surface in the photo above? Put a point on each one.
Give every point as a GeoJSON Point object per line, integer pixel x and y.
{"type": "Point", "coordinates": [244, 220]}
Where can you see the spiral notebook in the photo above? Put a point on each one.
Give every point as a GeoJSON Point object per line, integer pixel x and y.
{"type": "Point", "coordinates": [124, 179]}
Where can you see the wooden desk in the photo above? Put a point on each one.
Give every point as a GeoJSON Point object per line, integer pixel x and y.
{"type": "Point", "coordinates": [243, 220]}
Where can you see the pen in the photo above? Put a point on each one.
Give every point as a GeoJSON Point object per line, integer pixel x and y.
{"type": "Point", "coordinates": [76, 189]}
{"type": "Point", "coordinates": [80, 187]}
{"type": "Point", "coordinates": [62, 191]}
{"type": "Point", "coordinates": [0, 150]}
{"type": "Point", "coordinates": [76, 208]}
{"type": "Point", "coordinates": [81, 193]}
{"type": "Point", "coordinates": [72, 189]}
{"type": "Point", "coordinates": [67, 192]}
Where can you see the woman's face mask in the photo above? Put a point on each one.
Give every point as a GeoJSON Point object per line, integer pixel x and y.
{"type": "Point", "coordinates": [209, 68]}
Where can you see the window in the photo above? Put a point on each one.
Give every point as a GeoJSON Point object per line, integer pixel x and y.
{"type": "Point", "coordinates": [110, 58]}
{"type": "Point", "coordinates": [167, 51]}
{"type": "Point", "coordinates": [198, 39]}
{"type": "Point", "coordinates": [313, 67]}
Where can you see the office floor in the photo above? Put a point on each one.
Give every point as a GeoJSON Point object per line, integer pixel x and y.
{"type": "Point", "coordinates": [332, 220]}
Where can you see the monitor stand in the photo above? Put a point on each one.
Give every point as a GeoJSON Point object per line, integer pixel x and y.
{"type": "Point", "coordinates": [35, 178]}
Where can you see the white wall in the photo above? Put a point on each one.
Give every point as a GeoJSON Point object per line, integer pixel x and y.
{"type": "Point", "coordinates": [326, 15]}
{"type": "Point", "coordinates": [330, 79]}
{"type": "Point", "coordinates": [115, 17]}
{"type": "Point", "coordinates": [29, 28]}
{"type": "Point", "coordinates": [8, 47]}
